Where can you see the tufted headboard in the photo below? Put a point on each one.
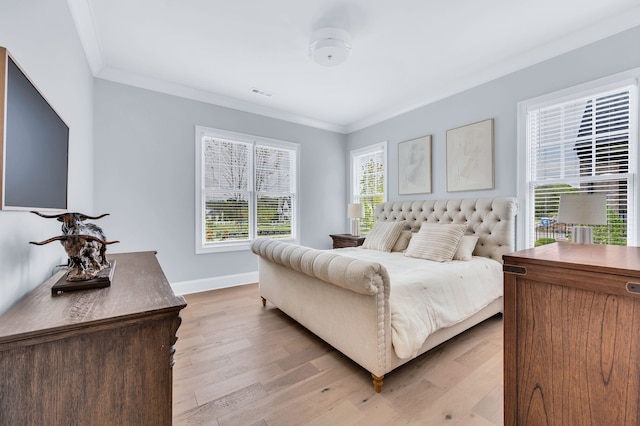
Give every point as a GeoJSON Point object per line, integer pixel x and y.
{"type": "Point", "coordinates": [493, 220]}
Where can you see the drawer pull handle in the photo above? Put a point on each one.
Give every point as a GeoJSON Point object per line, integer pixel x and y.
{"type": "Point", "coordinates": [512, 269]}
{"type": "Point", "coordinates": [633, 288]}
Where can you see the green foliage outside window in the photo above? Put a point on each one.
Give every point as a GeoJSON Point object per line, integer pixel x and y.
{"type": "Point", "coordinates": [228, 219]}
{"type": "Point", "coordinates": [371, 186]}
{"type": "Point", "coordinates": [274, 217]}
{"type": "Point", "coordinates": [614, 232]}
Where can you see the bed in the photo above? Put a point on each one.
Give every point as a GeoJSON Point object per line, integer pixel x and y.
{"type": "Point", "coordinates": [384, 304]}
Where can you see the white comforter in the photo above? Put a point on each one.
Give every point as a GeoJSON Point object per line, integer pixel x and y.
{"type": "Point", "coordinates": [426, 296]}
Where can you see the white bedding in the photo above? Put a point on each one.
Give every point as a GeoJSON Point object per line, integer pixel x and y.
{"type": "Point", "coordinates": [426, 296]}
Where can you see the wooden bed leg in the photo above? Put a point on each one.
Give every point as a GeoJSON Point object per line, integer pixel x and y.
{"type": "Point", "coordinates": [264, 301]}
{"type": "Point", "coordinates": [377, 383]}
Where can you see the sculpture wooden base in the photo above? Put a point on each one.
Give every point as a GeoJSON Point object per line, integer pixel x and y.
{"type": "Point", "coordinates": [103, 279]}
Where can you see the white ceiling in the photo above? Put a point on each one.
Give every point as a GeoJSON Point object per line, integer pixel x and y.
{"type": "Point", "coordinates": [406, 53]}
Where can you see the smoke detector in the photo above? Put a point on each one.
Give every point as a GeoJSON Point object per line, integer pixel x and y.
{"type": "Point", "coordinates": [330, 46]}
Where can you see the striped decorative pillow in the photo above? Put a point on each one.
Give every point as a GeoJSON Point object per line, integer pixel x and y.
{"type": "Point", "coordinates": [383, 235]}
{"type": "Point", "coordinates": [435, 242]}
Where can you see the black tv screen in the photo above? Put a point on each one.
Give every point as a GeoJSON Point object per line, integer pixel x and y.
{"type": "Point", "coordinates": [36, 146]}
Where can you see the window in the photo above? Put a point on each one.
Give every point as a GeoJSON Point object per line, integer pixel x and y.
{"type": "Point", "coordinates": [581, 142]}
{"type": "Point", "coordinates": [246, 188]}
{"type": "Point", "coordinates": [369, 180]}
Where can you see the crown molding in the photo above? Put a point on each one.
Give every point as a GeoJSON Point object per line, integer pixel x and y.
{"type": "Point", "coordinates": [82, 16]}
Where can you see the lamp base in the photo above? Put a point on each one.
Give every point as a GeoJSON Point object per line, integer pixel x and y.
{"type": "Point", "coordinates": [582, 235]}
{"type": "Point", "coordinates": [355, 227]}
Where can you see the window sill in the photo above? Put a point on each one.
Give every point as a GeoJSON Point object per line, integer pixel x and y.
{"type": "Point", "coordinates": [234, 246]}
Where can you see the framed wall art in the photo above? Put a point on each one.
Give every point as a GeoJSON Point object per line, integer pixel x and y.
{"type": "Point", "coordinates": [470, 157]}
{"type": "Point", "coordinates": [414, 166]}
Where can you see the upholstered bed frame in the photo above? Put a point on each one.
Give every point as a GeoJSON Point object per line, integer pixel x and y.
{"type": "Point", "coordinates": [345, 301]}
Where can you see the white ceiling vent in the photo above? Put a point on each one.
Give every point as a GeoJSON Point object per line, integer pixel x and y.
{"type": "Point", "coordinates": [260, 92]}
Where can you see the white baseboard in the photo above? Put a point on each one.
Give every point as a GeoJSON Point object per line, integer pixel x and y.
{"type": "Point", "coordinates": [214, 283]}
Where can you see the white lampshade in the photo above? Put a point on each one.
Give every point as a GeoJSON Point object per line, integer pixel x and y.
{"type": "Point", "coordinates": [355, 211]}
{"type": "Point", "coordinates": [583, 209]}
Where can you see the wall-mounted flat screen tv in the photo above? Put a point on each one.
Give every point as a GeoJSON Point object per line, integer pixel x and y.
{"type": "Point", "coordinates": [34, 144]}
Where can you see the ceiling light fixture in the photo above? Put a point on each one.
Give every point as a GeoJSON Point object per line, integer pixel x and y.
{"type": "Point", "coordinates": [330, 46]}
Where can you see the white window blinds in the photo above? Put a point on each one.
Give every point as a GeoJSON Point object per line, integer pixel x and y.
{"type": "Point", "coordinates": [247, 188]}
{"type": "Point", "coordinates": [275, 190]}
{"type": "Point", "coordinates": [227, 171]}
{"type": "Point", "coordinates": [369, 181]}
{"type": "Point", "coordinates": [581, 145]}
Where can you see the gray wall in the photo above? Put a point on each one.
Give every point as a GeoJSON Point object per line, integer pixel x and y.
{"type": "Point", "coordinates": [497, 99]}
{"type": "Point", "coordinates": [145, 177]}
{"type": "Point", "coordinates": [41, 37]}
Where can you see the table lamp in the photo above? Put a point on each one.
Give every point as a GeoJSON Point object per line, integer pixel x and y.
{"type": "Point", "coordinates": [354, 212]}
{"type": "Point", "coordinates": [580, 210]}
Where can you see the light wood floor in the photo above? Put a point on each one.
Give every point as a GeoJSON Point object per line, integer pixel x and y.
{"type": "Point", "coordinates": [238, 363]}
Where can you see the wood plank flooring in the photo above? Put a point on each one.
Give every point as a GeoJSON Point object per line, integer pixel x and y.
{"type": "Point", "coordinates": [238, 363]}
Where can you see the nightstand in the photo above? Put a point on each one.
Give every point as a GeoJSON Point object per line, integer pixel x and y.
{"type": "Point", "coordinates": [346, 240]}
{"type": "Point", "coordinates": [571, 314]}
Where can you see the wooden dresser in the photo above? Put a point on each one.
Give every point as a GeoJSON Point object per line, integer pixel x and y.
{"type": "Point", "coordinates": [572, 335]}
{"type": "Point", "coordinates": [99, 357]}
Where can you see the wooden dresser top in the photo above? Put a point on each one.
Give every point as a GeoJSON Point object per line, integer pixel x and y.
{"type": "Point", "coordinates": [139, 288]}
{"type": "Point", "coordinates": [623, 260]}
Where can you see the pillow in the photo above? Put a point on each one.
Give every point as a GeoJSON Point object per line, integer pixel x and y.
{"type": "Point", "coordinates": [402, 242]}
{"type": "Point", "coordinates": [383, 235]}
{"type": "Point", "coordinates": [435, 242]}
{"type": "Point", "coordinates": [465, 247]}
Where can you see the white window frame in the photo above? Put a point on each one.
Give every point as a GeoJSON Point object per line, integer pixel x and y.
{"type": "Point", "coordinates": [353, 184]}
{"type": "Point", "coordinates": [526, 209]}
{"type": "Point", "coordinates": [224, 246]}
